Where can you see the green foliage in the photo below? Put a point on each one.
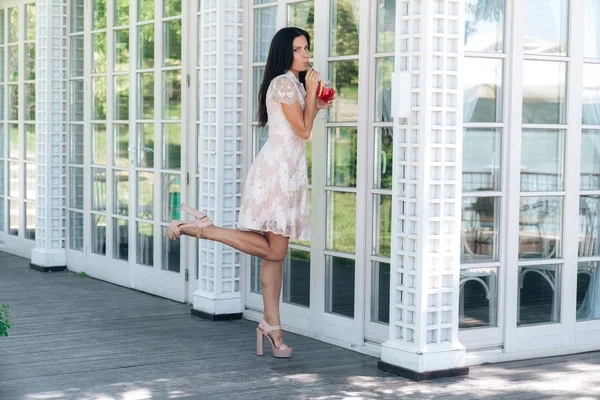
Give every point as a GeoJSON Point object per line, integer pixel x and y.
{"type": "Point", "coordinates": [82, 275]}
{"type": "Point", "coordinates": [4, 324]}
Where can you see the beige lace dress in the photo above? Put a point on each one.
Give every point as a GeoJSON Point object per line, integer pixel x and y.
{"type": "Point", "coordinates": [276, 195]}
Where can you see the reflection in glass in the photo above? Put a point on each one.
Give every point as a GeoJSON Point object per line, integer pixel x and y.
{"type": "Point", "coordinates": [590, 160]}
{"type": "Point", "coordinates": [13, 63]}
{"type": "Point", "coordinates": [383, 89]}
{"type": "Point", "coordinates": [99, 144]}
{"type": "Point", "coordinates": [2, 140]}
{"type": "Point", "coordinates": [341, 222]}
{"type": "Point", "coordinates": [146, 146]}
{"type": "Point", "coordinates": [478, 303]}
{"type": "Point", "coordinates": [99, 90]}
{"type": "Point", "coordinates": [99, 189]}
{"type": "Point", "coordinates": [76, 94]}
{"type": "Point", "coordinates": [479, 233]}
{"type": "Point", "coordinates": [13, 141]}
{"type": "Point", "coordinates": [588, 291]}
{"type": "Point", "coordinates": [258, 73]}
{"type": "Point", "coordinates": [589, 226]}
{"type": "Point", "coordinates": [75, 231]}
{"type": "Point", "coordinates": [344, 79]}
{"type": "Point", "coordinates": [592, 29]}
{"type": "Point", "coordinates": [145, 10]}
{"type": "Point", "coordinates": [14, 181]}
{"type": "Point", "coordinates": [99, 7]}
{"type": "Point", "coordinates": [339, 286]}
{"type": "Point", "coordinates": [29, 61]}
{"type": "Point", "coordinates": [120, 239]}
{"type": "Point", "coordinates": [2, 26]}
{"type": "Point", "coordinates": [13, 25]}
{"type": "Point", "coordinates": [255, 285]}
{"type": "Point", "coordinates": [481, 159]}
{"type": "Point", "coordinates": [99, 234]}
{"type": "Point", "coordinates": [484, 25]}
{"type": "Point", "coordinates": [146, 44]}
{"type": "Point", "coordinates": [544, 92]}
{"type": "Point", "coordinates": [296, 277]}
{"type": "Point", "coordinates": [539, 294]}
{"type": "Point", "coordinates": [121, 12]}
{"type": "Point", "coordinates": [540, 227]}
{"type": "Point", "coordinates": [260, 136]}
{"type": "Point", "coordinates": [145, 244]}
{"type": "Point", "coordinates": [171, 253]}
{"type": "Point", "coordinates": [341, 156]}
{"type": "Point", "coordinates": [386, 25]}
{"type": "Point", "coordinates": [121, 144]}
{"type": "Point", "coordinates": [30, 218]}
{"type": "Point", "coordinates": [264, 30]}
{"type": "Point", "coordinates": [591, 94]}
{"type": "Point", "coordinates": [302, 15]}
{"type": "Point", "coordinates": [172, 31]}
{"type": "Point", "coordinates": [30, 21]}
{"type": "Point", "coordinates": [121, 97]}
{"type": "Point", "coordinates": [382, 225]}
{"type": "Point", "coordinates": [99, 44]}
{"type": "Point", "coordinates": [30, 181]}
{"type": "Point", "coordinates": [482, 90]}
{"type": "Point", "coordinates": [380, 289]}
{"type": "Point", "coordinates": [29, 101]}
{"type": "Point", "coordinates": [145, 183]}
{"type": "Point", "coordinates": [345, 27]}
{"type": "Point", "coordinates": [172, 94]}
{"type": "Point", "coordinates": [171, 192]}
{"type": "Point", "coordinates": [76, 187]}
{"type": "Point", "coordinates": [13, 102]}
{"type": "Point", "coordinates": [76, 144]}
{"type": "Point", "coordinates": [1, 203]}
{"type": "Point", "coordinates": [77, 13]}
{"type": "Point", "coordinates": [121, 192]}
{"type": "Point", "coordinates": [146, 97]}
{"type": "Point", "coordinates": [122, 50]}
{"type": "Point", "coordinates": [542, 159]}
{"type": "Point", "coordinates": [547, 27]}
{"type": "Point", "coordinates": [2, 68]}
{"type": "Point", "coordinates": [384, 165]}
{"type": "Point", "coordinates": [13, 217]}
{"type": "Point", "coordinates": [30, 142]}
{"type": "Point", "coordinates": [172, 8]}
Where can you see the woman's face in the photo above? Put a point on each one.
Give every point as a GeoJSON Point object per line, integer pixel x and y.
{"type": "Point", "coordinates": [301, 54]}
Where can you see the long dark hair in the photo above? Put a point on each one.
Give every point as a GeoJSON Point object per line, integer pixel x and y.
{"type": "Point", "coordinates": [279, 61]}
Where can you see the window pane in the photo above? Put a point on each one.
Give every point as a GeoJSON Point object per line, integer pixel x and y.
{"type": "Point", "coordinates": [145, 244]}
{"type": "Point", "coordinates": [260, 136]}
{"type": "Point", "coordinates": [76, 231]}
{"type": "Point", "coordinates": [172, 94]}
{"type": "Point", "coordinates": [99, 90]}
{"type": "Point", "coordinates": [255, 285]}
{"type": "Point", "coordinates": [341, 157]}
{"type": "Point", "coordinates": [256, 82]}
{"type": "Point", "coordinates": [482, 150]}
{"type": "Point", "coordinates": [77, 12]}
{"type": "Point", "coordinates": [145, 10]}
{"type": "Point", "coordinates": [544, 92]}
{"type": "Point", "coordinates": [30, 142]}
{"type": "Point", "coordinates": [146, 46]}
{"type": "Point", "coordinates": [99, 234]}
{"type": "Point", "coordinates": [171, 253]}
{"type": "Point", "coordinates": [1, 141]}
{"type": "Point", "coordinates": [122, 50]}
{"type": "Point", "coordinates": [479, 236]}
{"type": "Point", "coordinates": [76, 56]}
{"type": "Point", "coordinates": [2, 69]}
{"type": "Point", "coordinates": [29, 21]}
{"type": "Point", "coordinates": [380, 288]}
{"type": "Point", "coordinates": [13, 217]}
{"type": "Point", "coordinates": [386, 25]}
{"type": "Point", "coordinates": [539, 294]}
{"type": "Point", "coordinates": [99, 43]}
{"type": "Point", "coordinates": [590, 160]}
{"type": "Point", "coordinates": [484, 25]}
{"type": "Point", "coordinates": [121, 239]}
{"type": "Point", "coordinates": [172, 146]}
{"type": "Point", "coordinates": [264, 1]}
{"type": "Point", "coordinates": [13, 63]}
{"type": "Point", "coordinates": [383, 89]}
{"type": "Point", "coordinates": [121, 144]}
{"type": "Point", "coordinates": [540, 227]}
{"type": "Point", "coordinates": [339, 286]}
{"type": "Point", "coordinates": [589, 226]}
{"type": "Point", "coordinates": [99, 189]}
{"type": "Point", "coordinates": [296, 277]}
{"type": "Point", "coordinates": [99, 144]}
{"type": "Point", "coordinates": [121, 192]}
{"type": "Point", "coordinates": [482, 90]}
{"type": "Point", "coordinates": [146, 95]}
{"type": "Point", "coordinates": [478, 305]}
{"type": "Point", "coordinates": [172, 46]}
{"type": "Point", "coordinates": [264, 30]}
{"type": "Point", "coordinates": [13, 102]}
{"type": "Point", "coordinates": [341, 222]}
{"type": "Point", "coordinates": [30, 61]}
{"type": "Point", "coordinates": [382, 225]}
{"type": "Point", "coordinates": [145, 195]}
{"type": "Point", "coordinates": [121, 97]}
{"type": "Point", "coordinates": [546, 29]}
{"type": "Point", "coordinates": [542, 158]}
{"type": "Point", "coordinates": [76, 144]}
{"type": "Point", "coordinates": [592, 29]}
{"type": "Point", "coordinates": [121, 12]}
{"type": "Point", "coordinates": [344, 79]}
{"type": "Point", "coordinates": [384, 146]}
{"type": "Point", "coordinates": [30, 181]}
{"type": "Point", "coordinates": [344, 17]}
{"type": "Point", "coordinates": [76, 187]}
{"type": "Point", "coordinates": [30, 220]}
{"type": "Point", "coordinates": [302, 15]}
{"type": "Point", "coordinates": [29, 101]}
{"type": "Point", "coordinates": [99, 7]}
{"type": "Point", "coordinates": [76, 100]}
{"type": "Point", "coordinates": [171, 192]}
{"type": "Point", "coordinates": [172, 8]}
{"type": "Point", "coordinates": [13, 141]}
{"type": "Point", "coordinates": [1, 205]}
{"type": "Point", "coordinates": [591, 94]}
{"type": "Point", "coordinates": [13, 25]}
{"type": "Point", "coordinates": [145, 145]}
{"type": "Point", "coordinates": [588, 291]}
{"type": "Point", "coordinates": [2, 26]}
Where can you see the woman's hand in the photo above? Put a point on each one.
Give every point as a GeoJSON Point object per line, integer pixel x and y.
{"type": "Point", "coordinates": [320, 104]}
{"type": "Point", "coordinates": [312, 82]}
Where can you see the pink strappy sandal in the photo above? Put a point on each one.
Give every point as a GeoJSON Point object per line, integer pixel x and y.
{"type": "Point", "coordinates": [263, 330]}
{"type": "Point", "coordinates": [201, 222]}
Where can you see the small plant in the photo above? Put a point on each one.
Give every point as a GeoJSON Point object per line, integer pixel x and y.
{"type": "Point", "coordinates": [82, 275]}
{"type": "Point", "coordinates": [4, 325]}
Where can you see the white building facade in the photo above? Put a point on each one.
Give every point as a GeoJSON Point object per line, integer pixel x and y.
{"type": "Point", "coordinates": [455, 184]}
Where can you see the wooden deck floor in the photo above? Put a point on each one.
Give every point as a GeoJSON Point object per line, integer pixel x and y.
{"type": "Point", "coordinates": [80, 338]}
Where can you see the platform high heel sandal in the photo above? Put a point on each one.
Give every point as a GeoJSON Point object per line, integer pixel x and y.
{"type": "Point", "coordinates": [201, 222]}
{"type": "Point", "coordinates": [263, 331]}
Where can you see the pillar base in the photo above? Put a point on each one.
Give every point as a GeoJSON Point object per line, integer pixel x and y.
{"type": "Point", "coordinates": [215, 317]}
{"type": "Point", "coordinates": [217, 307]}
{"type": "Point", "coordinates": [421, 376]}
{"type": "Point", "coordinates": [48, 260]}
{"type": "Point", "coordinates": [47, 269]}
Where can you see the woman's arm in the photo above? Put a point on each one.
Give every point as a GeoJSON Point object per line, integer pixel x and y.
{"type": "Point", "coordinates": [302, 121]}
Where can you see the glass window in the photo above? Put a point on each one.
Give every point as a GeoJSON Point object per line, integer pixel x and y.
{"type": "Point", "coordinates": [540, 227]}
{"type": "Point", "coordinates": [592, 29]}
{"type": "Point", "coordinates": [76, 144]}
{"type": "Point", "coordinates": [172, 8]}
{"type": "Point", "coordinates": [145, 146]}
{"type": "Point", "coordinates": [121, 12]}
{"type": "Point", "coordinates": [99, 234]}
{"type": "Point", "coordinates": [339, 286]}
{"type": "Point", "coordinates": [590, 160]}
{"type": "Point", "coordinates": [76, 231]}
{"type": "Point", "coordinates": [384, 146]}
{"type": "Point", "coordinates": [380, 289]}
{"type": "Point", "coordinates": [542, 159]}
{"type": "Point", "coordinates": [145, 195]}
{"type": "Point", "coordinates": [172, 94]}
{"type": "Point", "coordinates": [482, 156]}
{"type": "Point", "coordinates": [99, 44]}
{"type": "Point", "coordinates": [77, 14]}
{"type": "Point", "coordinates": [30, 182]}
{"type": "Point", "coordinates": [30, 61]}
{"type": "Point", "coordinates": [99, 144]}
{"type": "Point", "coordinates": [484, 25]}
{"type": "Point", "coordinates": [121, 144]}
{"type": "Point", "coordinates": [539, 294]}
{"type": "Point", "coordinates": [99, 21]}
{"type": "Point", "coordinates": [13, 25]}
{"type": "Point", "coordinates": [145, 10]}
{"type": "Point", "coordinates": [76, 187]}
{"type": "Point", "coordinates": [122, 50]}
{"type": "Point", "coordinates": [345, 27]}
{"type": "Point", "coordinates": [588, 295]}
{"type": "Point", "coordinates": [264, 30]}
{"type": "Point", "coordinates": [99, 189]}
{"type": "Point", "coordinates": [341, 222]}
{"type": "Point", "coordinates": [29, 101]}
{"type": "Point", "coordinates": [145, 244]}
{"type": "Point", "coordinates": [121, 192]}
{"type": "Point", "coordinates": [302, 15]}
{"type": "Point", "coordinates": [544, 92]}
{"type": "Point", "coordinates": [172, 146]}
{"type": "Point", "coordinates": [547, 26]}
{"type": "Point", "coordinates": [172, 45]}
{"type": "Point", "coordinates": [76, 56]}
{"type": "Point", "coordinates": [479, 236]}
{"type": "Point", "coordinates": [30, 221]}
{"type": "Point", "coordinates": [296, 270]}
{"type": "Point", "coordinates": [171, 192]}
{"type": "Point", "coordinates": [30, 142]}
{"type": "Point", "coordinates": [146, 46]}
{"type": "Point", "coordinates": [121, 90]}
{"type": "Point", "coordinates": [30, 21]}
{"type": "Point", "coordinates": [382, 223]}
{"type": "Point", "coordinates": [121, 239]}
{"type": "Point", "coordinates": [341, 157]}
{"type": "Point", "coordinates": [171, 253]}
{"type": "Point", "coordinates": [386, 26]}
{"type": "Point", "coordinates": [146, 97]}
{"type": "Point", "coordinates": [478, 298]}
{"type": "Point", "coordinates": [589, 226]}
{"type": "Point", "coordinates": [383, 89]}
{"type": "Point", "coordinates": [591, 94]}
{"type": "Point", "coordinates": [344, 79]}
{"type": "Point", "coordinates": [482, 90]}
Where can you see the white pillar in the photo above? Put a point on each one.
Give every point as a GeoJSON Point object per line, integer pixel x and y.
{"type": "Point", "coordinates": [220, 143]}
{"type": "Point", "coordinates": [51, 63]}
{"type": "Point", "coordinates": [423, 336]}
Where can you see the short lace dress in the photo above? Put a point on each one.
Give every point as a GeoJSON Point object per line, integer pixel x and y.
{"type": "Point", "coordinates": [276, 195]}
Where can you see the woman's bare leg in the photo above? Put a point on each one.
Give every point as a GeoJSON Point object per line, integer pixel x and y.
{"type": "Point", "coordinates": [270, 279]}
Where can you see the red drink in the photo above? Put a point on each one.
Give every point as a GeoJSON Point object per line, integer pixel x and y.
{"type": "Point", "coordinates": [325, 93]}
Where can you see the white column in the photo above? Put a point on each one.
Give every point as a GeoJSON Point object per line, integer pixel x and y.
{"type": "Point", "coordinates": [220, 143]}
{"type": "Point", "coordinates": [51, 63]}
{"type": "Point", "coordinates": [423, 336]}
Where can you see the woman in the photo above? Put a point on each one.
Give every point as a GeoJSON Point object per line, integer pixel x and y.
{"type": "Point", "coordinates": [275, 206]}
